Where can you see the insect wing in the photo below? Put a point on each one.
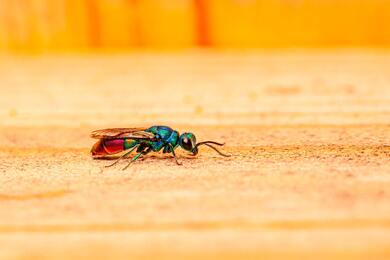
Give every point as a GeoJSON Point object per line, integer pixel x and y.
{"type": "Point", "coordinates": [122, 133]}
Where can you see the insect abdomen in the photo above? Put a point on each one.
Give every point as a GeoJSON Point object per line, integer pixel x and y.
{"type": "Point", "coordinates": [107, 147]}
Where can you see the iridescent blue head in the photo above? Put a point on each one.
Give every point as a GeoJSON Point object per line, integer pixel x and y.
{"type": "Point", "coordinates": [187, 141]}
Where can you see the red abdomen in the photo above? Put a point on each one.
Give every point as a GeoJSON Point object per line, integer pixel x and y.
{"type": "Point", "coordinates": [107, 147]}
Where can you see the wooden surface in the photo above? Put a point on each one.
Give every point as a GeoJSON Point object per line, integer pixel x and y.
{"type": "Point", "coordinates": [310, 172]}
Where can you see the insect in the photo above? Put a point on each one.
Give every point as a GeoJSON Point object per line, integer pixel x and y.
{"type": "Point", "coordinates": [145, 140]}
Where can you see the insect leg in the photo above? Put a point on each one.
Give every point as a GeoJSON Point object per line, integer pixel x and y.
{"type": "Point", "coordinates": [174, 155]}
{"type": "Point", "coordinates": [133, 159]}
{"type": "Point", "coordinates": [122, 156]}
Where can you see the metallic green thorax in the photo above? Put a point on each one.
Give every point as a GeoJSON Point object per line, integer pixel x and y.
{"type": "Point", "coordinates": [166, 137]}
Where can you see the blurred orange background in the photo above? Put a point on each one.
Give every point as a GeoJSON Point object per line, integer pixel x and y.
{"type": "Point", "coordinates": [76, 25]}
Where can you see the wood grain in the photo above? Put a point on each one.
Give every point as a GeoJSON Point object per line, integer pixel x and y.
{"type": "Point", "coordinates": [309, 177]}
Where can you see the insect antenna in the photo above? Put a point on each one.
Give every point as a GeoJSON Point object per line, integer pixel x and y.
{"type": "Point", "coordinates": [208, 143]}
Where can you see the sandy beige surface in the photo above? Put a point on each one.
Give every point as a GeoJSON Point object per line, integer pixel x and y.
{"type": "Point", "coordinates": [309, 133]}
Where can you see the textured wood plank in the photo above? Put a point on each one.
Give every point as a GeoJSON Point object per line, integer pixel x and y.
{"type": "Point", "coordinates": [309, 131]}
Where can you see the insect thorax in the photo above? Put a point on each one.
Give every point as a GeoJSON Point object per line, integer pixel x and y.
{"type": "Point", "coordinates": [166, 136]}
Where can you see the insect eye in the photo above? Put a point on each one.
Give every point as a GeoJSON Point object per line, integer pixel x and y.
{"type": "Point", "coordinates": [186, 143]}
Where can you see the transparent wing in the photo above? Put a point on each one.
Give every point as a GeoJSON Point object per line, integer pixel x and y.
{"type": "Point", "coordinates": [122, 133]}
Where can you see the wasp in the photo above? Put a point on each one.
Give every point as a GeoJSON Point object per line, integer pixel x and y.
{"type": "Point", "coordinates": [145, 140]}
